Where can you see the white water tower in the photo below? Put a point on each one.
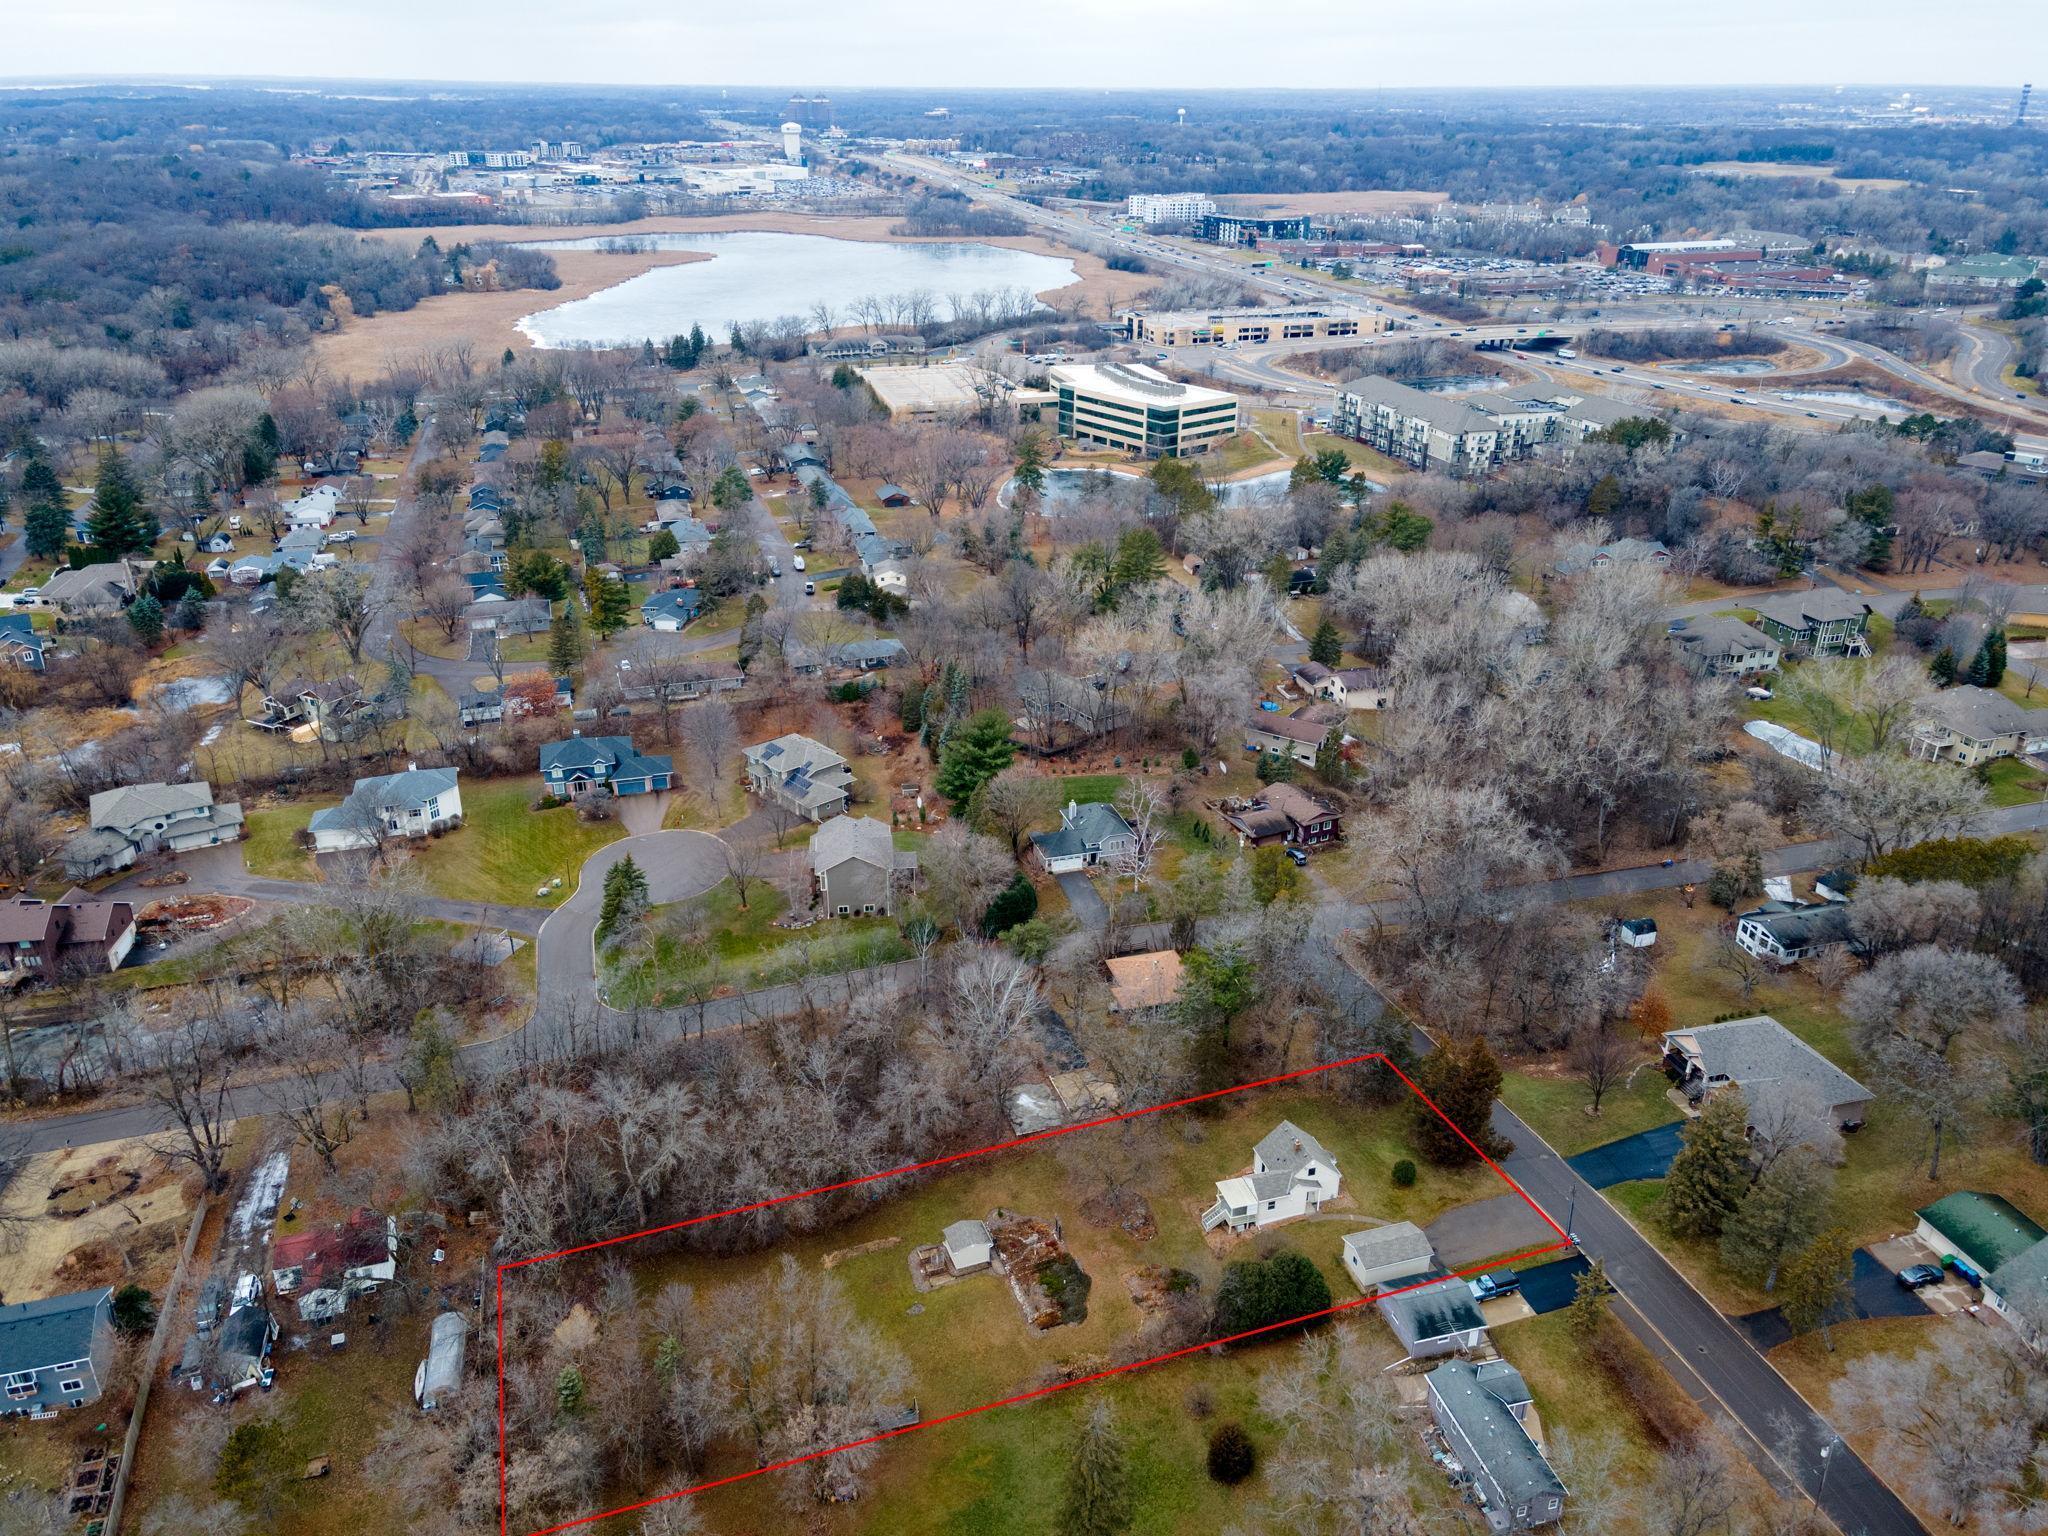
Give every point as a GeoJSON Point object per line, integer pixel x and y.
{"type": "Point", "coordinates": [793, 143]}
{"type": "Point", "coordinates": [1182, 114]}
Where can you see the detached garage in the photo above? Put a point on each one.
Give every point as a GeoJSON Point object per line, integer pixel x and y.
{"type": "Point", "coordinates": [1387, 1255]}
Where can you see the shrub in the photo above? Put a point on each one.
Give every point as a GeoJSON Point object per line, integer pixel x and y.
{"type": "Point", "coordinates": [1015, 904]}
{"type": "Point", "coordinates": [1190, 759]}
{"type": "Point", "coordinates": [1232, 1456]}
{"type": "Point", "coordinates": [1066, 1283]}
{"type": "Point", "coordinates": [132, 1312]}
{"type": "Point", "coordinates": [1256, 1293]}
{"type": "Point", "coordinates": [1404, 1174]}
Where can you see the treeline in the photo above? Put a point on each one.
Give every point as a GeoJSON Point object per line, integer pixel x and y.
{"type": "Point", "coordinates": [1675, 344]}
{"type": "Point", "coordinates": [193, 262]}
{"type": "Point", "coordinates": [948, 213]}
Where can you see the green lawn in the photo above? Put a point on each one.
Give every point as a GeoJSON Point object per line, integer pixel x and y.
{"type": "Point", "coordinates": [967, 1343]}
{"type": "Point", "coordinates": [748, 949]}
{"type": "Point", "coordinates": [2023, 691]}
{"type": "Point", "coordinates": [1092, 788]}
{"type": "Point", "coordinates": [505, 850]}
{"type": "Point", "coordinates": [1574, 1394]}
{"type": "Point", "coordinates": [270, 841]}
{"type": "Point", "coordinates": [2012, 782]}
{"type": "Point", "coordinates": [1554, 1105]}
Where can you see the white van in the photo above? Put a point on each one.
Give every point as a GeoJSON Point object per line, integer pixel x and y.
{"type": "Point", "coordinates": [797, 561]}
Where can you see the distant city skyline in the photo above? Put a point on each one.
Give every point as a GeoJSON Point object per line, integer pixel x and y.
{"type": "Point", "coordinates": [1079, 44]}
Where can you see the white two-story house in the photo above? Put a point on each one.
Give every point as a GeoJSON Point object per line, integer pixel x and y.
{"type": "Point", "coordinates": [1291, 1175]}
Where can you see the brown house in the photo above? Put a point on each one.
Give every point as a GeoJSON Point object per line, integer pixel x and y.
{"type": "Point", "coordinates": [41, 940]}
{"type": "Point", "coordinates": [1284, 814]}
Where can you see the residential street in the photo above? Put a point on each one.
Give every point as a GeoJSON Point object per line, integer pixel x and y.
{"type": "Point", "coordinates": [1707, 1353]}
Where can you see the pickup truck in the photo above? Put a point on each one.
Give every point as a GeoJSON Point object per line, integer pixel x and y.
{"type": "Point", "coordinates": [1502, 1282]}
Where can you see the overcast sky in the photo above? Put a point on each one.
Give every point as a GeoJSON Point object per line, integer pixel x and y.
{"type": "Point", "coordinates": [1109, 43]}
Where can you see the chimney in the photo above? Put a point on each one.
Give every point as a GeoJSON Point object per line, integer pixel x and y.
{"type": "Point", "coordinates": [411, 766]}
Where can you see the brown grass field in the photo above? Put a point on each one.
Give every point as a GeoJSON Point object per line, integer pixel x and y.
{"type": "Point", "coordinates": [1288, 204]}
{"type": "Point", "coordinates": [1801, 172]}
{"type": "Point", "coordinates": [489, 321]}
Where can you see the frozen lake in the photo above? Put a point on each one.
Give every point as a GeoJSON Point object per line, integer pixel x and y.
{"type": "Point", "coordinates": [1066, 487]}
{"type": "Point", "coordinates": [755, 275]}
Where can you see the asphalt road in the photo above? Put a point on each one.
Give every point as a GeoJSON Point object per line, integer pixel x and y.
{"type": "Point", "coordinates": [1707, 1353]}
{"type": "Point", "coordinates": [678, 866]}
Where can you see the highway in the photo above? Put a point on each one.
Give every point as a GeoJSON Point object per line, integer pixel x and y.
{"type": "Point", "coordinates": [1986, 352]}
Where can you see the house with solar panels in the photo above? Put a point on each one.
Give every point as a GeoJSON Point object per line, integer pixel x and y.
{"type": "Point", "coordinates": [803, 776]}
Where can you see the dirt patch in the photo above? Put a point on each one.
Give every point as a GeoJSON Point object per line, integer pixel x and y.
{"type": "Point", "coordinates": [92, 1215]}
{"type": "Point", "coordinates": [192, 914]}
{"type": "Point", "coordinates": [839, 1256]}
{"type": "Point", "coordinates": [1152, 1288]}
{"type": "Point", "coordinates": [1131, 1214]}
{"type": "Point", "coordinates": [1293, 204]}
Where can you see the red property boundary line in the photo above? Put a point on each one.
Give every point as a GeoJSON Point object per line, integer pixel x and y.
{"type": "Point", "coordinates": [504, 1512]}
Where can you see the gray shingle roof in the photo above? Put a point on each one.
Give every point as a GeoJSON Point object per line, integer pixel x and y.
{"type": "Point", "coordinates": [1396, 1242]}
{"type": "Point", "coordinates": [1979, 713]}
{"type": "Point", "coordinates": [414, 787]}
{"type": "Point", "coordinates": [852, 837]}
{"type": "Point", "coordinates": [1713, 636]}
{"type": "Point", "coordinates": [1433, 1311]}
{"type": "Point", "coordinates": [137, 803]}
{"type": "Point", "coordinates": [1764, 1058]}
{"type": "Point", "coordinates": [54, 1331]}
{"type": "Point", "coordinates": [1287, 1147]}
{"type": "Point", "coordinates": [1801, 610]}
{"type": "Point", "coordinates": [1478, 1399]}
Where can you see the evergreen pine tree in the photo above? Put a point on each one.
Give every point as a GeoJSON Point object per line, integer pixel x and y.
{"type": "Point", "coordinates": [565, 640]}
{"type": "Point", "coordinates": [190, 614]}
{"type": "Point", "coordinates": [1815, 1287]}
{"type": "Point", "coordinates": [116, 523]}
{"type": "Point", "coordinates": [569, 1391]}
{"type": "Point", "coordinates": [146, 618]}
{"type": "Point", "coordinates": [1994, 658]}
{"type": "Point", "coordinates": [1780, 1215]}
{"type": "Point", "coordinates": [974, 754]}
{"type": "Point", "coordinates": [1980, 666]}
{"type": "Point", "coordinates": [1330, 757]}
{"type": "Point", "coordinates": [1462, 1083]}
{"type": "Point", "coordinates": [1098, 1494]}
{"type": "Point", "coordinates": [1589, 1301]}
{"type": "Point", "coordinates": [625, 895]}
{"type": "Point", "coordinates": [46, 516]}
{"type": "Point", "coordinates": [1326, 645]}
{"type": "Point", "coordinates": [1943, 668]}
{"type": "Point", "coordinates": [611, 604]}
{"type": "Point", "coordinates": [1710, 1175]}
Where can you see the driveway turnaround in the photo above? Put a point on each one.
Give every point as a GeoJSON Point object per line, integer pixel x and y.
{"type": "Point", "coordinates": [1875, 1292]}
{"type": "Point", "coordinates": [1645, 1155]}
{"type": "Point", "coordinates": [1484, 1229]}
{"type": "Point", "coordinates": [678, 865]}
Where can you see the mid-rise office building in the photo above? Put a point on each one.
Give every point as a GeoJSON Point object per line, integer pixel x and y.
{"type": "Point", "coordinates": [1234, 229]}
{"type": "Point", "coordinates": [1192, 328]}
{"type": "Point", "coordinates": [1140, 410]}
{"type": "Point", "coordinates": [1169, 207]}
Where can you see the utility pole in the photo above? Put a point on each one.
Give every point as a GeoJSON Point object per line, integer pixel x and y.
{"type": "Point", "coordinates": [1821, 1489]}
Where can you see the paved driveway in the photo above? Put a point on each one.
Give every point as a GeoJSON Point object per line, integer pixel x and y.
{"type": "Point", "coordinates": [1485, 1228]}
{"type": "Point", "coordinates": [1084, 901]}
{"type": "Point", "coordinates": [1645, 1155]}
{"type": "Point", "coordinates": [1551, 1287]}
{"type": "Point", "coordinates": [1874, 1292]}
{"type": "Point", "coordinates": [678, 865]}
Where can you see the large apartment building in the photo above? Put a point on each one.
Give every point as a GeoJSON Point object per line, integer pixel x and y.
{"type": "Point", "coordinates": [1192, 328]}
{"type": "Point", "coordinates": [1140, 410]}
{"type": "Point", "coordinates": [1169, 207]}
{"type": "Point", "coordinates": [1469, 435]}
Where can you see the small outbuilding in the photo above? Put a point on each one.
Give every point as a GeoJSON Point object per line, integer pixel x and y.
{"type": "Point", "coordinates": [1436, 1319]}
{"type": "Point", "coordinates": [969, 1248]}
{"type": "Point", "coordinates": [441, 1372]}
{"type": "Point", "coordinates": [1382, 1256]}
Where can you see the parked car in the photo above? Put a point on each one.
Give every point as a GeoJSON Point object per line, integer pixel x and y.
{"type": "Point", "coordinates": [1299, 856]}
{"type": "Point", "coordinates": [797, 561]}
{"type": "Point", "coordinates": [1502, 1282]}
{"type": "Point", "coordinates": [1916, 1276]}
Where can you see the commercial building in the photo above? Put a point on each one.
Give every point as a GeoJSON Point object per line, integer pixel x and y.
{"type": "Point", "coordinates": [1140, 410]}
{"type": "Point", "coordinates": [1190, 328]}
{"type": "Point", "coordinates": [1661, 257]}
{"type": "Point", "coordinates": [933, 391]}
{"type": "Point", "coordinates": [1980, 274]}
{"type": "Point", "coordinates": [1468, 436]}
{"type": "Point", "coordinates": [1169, 207]}
{"type": "Point", "coordinates": [1235, 229]}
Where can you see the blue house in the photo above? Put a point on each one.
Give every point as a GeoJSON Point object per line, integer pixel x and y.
{"type": "Point", "coordinates": [590, 765]}
{"type": "Point", "coordinates": [19, 642]}
{"type": "Point", "coordinates": [55, 1353]}
{"type": "Point", "coordinates": [672, 610]}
